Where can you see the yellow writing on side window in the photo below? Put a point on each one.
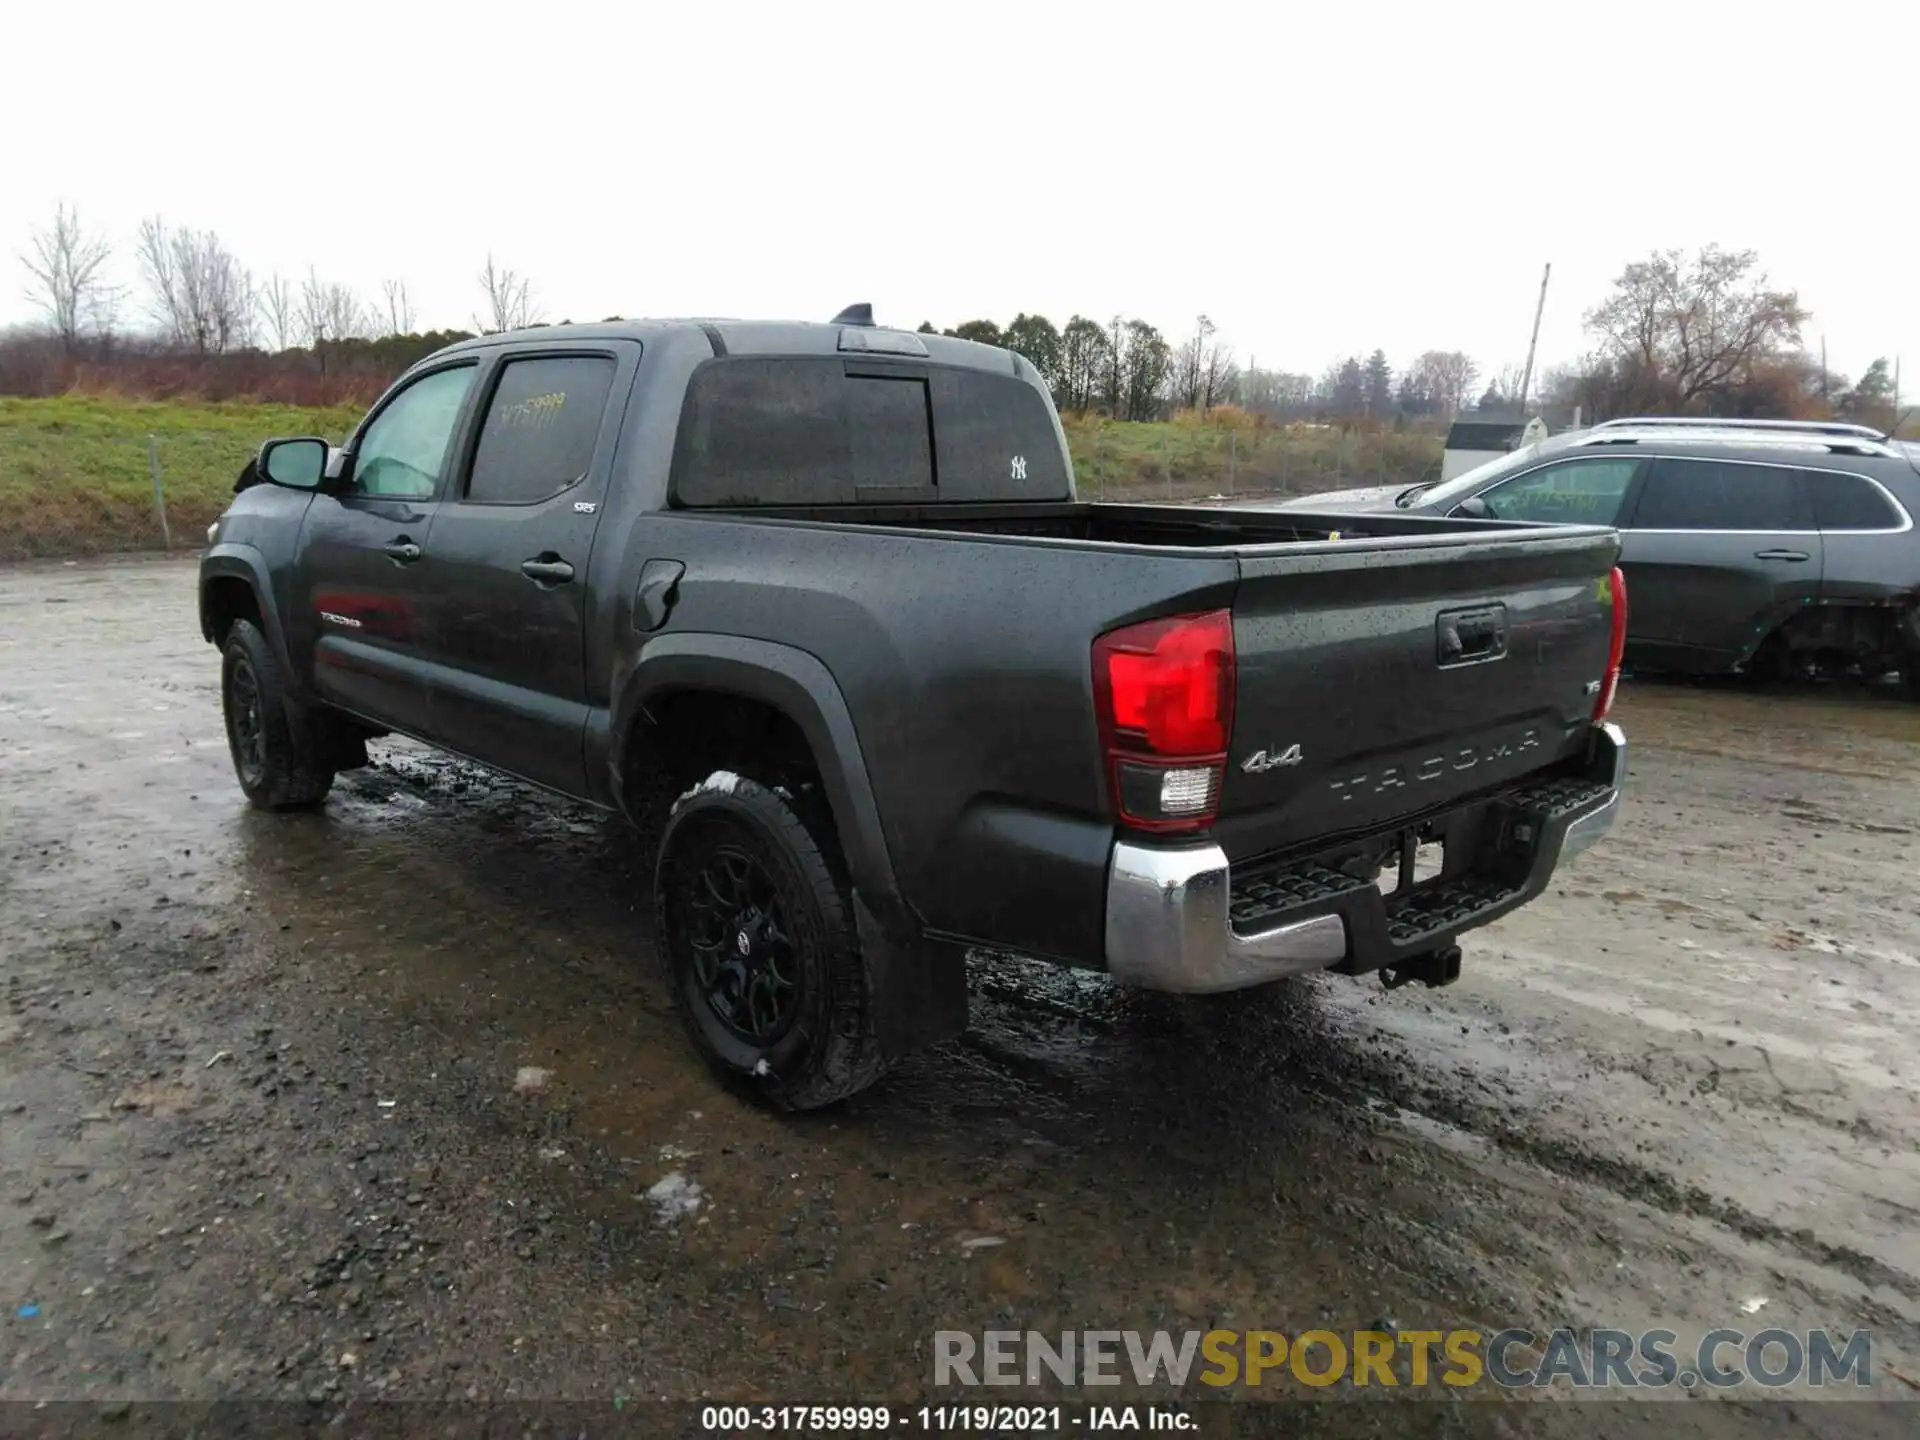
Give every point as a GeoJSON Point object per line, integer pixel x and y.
{"type": "Point", "coordinates": [535, 413]}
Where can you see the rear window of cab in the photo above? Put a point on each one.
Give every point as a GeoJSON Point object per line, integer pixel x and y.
{"type": "Point", "coordinates": [827, 430]}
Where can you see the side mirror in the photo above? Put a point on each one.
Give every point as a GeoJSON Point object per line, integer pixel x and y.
{"type": "Point", "coordinates": [299, 464]}
{"type": "Point", "coordinates": [1474, 508]}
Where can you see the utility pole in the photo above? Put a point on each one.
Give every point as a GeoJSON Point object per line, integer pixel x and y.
{"type": "Point", "coordinates": [1526, 376]}
{"type": "Point", "coordinates": [1825, 398]}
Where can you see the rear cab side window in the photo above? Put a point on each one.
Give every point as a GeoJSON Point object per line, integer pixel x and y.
{"type": "Point", "coordinates": [1680, 494]}
{"type": "Point", "coordinates": [1849, 502]}
{"type": "Point", "coordinates": [996, 439]}
{"type": "Point", "coordinates": [759, 431]}
{"type": "Point", "coordinates": [542, 423]}
{"type": "Point", "coordinates": [806, 431]}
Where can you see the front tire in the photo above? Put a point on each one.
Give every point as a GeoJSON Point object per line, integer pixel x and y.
{"type": "Point", "coordinates": [756, 931]}
{"type": "Point", "coordinates": [276, 754]}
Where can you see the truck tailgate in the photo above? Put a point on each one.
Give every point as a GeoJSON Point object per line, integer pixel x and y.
{"type": "Point", "coordinates": [1382, 681]}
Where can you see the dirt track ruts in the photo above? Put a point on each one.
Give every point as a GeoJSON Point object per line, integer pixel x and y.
{"type": "Point", "coordinates": [259, 1131]}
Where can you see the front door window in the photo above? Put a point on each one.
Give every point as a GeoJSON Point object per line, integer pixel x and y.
{"type": "Point", "coordinates": [401, 453]}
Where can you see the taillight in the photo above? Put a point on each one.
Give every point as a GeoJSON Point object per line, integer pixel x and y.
{"type": "Point", "coordinates": [1616, 646]}
{"type": "Point", "coordinates": [1163, 691]}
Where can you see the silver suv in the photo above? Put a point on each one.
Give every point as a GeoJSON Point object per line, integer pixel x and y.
{"type": "Point", "coordinates": [1780, 547]}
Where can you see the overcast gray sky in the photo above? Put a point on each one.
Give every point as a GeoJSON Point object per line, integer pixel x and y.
{"type": "Point", "coordinates": [1319, 183]}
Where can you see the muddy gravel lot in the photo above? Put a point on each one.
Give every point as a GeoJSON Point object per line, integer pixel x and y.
{"type": "Point", "coordinates": [388, 1099]}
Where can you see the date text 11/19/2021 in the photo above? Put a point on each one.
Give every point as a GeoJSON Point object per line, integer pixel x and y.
{"type": "Point", "coordinates": [978, 1419]}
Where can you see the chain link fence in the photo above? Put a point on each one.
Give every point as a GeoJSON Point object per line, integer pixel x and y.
{"type": "Point", "coordinates": [115, 503]}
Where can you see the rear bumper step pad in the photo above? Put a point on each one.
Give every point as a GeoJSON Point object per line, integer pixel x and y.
{"type": "Point", "coordinates": [1181, 917]}
{"type": "Point", "coordinates": [1432, 910]}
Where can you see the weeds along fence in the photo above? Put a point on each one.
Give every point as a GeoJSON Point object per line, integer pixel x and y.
{"type": "Point", "coordinates": [1188, 461]}
{"type": "Point", "coordinates": [115, 495]}
{"type": "Point", "coordinates": [120, 506]}
{"type": "Point", "coordinates": [98, 474]}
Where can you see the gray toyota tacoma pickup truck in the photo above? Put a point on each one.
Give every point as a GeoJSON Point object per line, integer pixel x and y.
{"type": "Point", "coordinates": [817, 607]}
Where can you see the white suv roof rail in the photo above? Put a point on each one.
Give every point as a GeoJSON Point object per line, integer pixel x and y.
{"type": "Point", "coordinates": [1708, 422]}
{"type": "Point", "coordinates": [1813, 441]}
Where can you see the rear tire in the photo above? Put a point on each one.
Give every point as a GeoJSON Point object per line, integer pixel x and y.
{"type": "Point", "coordinates": [757, 936]}
{"type": "Point", "coordinates": [277, 756]}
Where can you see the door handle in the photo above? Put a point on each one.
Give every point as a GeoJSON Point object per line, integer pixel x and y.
{"type": "Point", "coordinates": [402, 551]}
{"type": "Point", "coordinates": [548, 569]}
{"type": "Point", "coordinates": [1781, 555]}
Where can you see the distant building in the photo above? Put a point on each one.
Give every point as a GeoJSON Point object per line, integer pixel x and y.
{"type": "Point", "coordinates": [1477, 438]}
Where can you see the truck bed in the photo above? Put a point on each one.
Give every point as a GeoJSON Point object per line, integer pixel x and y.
{"type": "Point", "coordinates": [963, 636]}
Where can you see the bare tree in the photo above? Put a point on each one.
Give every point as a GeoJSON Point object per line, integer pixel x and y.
{"type": "Point", "coordinates": [66, 265]}
{"type": "Point", "coordinates": [330, 311]}
{"type": "Point", "coordinates": [1503, 388]}
{"type": "Point", "coordinates": [1453, 374]}
{"type": "Point", "coordinates": [1189, 366]}
{"type": "Point", "coordinates": [1697, 326]}
{"type": "Point", "coordinates": [1083, 360]}
{"type": "Point", "coordinates": [1510, 381]}
{"type": "Point", "coordinates": [509, 300]}
{"type": "Point", "coordinates": [399, 307]}
{"type": "Point", "coordinates": [1142, 369]}
{"type": "Point", "coordinates": [198, 291]}
{"type": "Point", "coordinates": [1275, 392]}
{"type": "Point", "coordinates": [280, 308]}
{"type": "Point", "coordinates": [1443, 379]}
{"type": "Point", "coordinates": [1203, 371]}
{"type": "Point", "coordinates": [1219, 377]}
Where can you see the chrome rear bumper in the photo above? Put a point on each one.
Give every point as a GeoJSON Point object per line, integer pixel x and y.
{"type": "Point", "coordinates": [1168, 926]}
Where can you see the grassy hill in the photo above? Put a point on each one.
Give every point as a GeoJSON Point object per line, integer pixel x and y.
{"type": "Point", "coordinates": [1227, 453]}
{"type": "Point", "coordinates": [75, 470]}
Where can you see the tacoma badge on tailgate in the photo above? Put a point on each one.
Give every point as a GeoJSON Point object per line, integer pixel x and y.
{"type": "Point", "coordinates": [1420, 771]}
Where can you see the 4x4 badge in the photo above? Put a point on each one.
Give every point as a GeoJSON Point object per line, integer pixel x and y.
{"type": "Point", "coordinates": [1262, 761]}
